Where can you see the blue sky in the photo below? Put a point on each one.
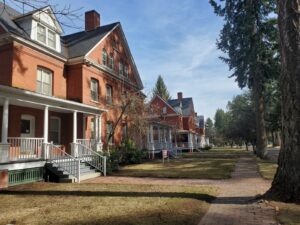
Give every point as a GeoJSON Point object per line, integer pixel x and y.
{"type": "Point", "coordinates": [174, 38]}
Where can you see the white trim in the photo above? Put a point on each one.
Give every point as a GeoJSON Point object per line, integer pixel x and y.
{"type": "Point", "coordinates": [31, 118]}
{"type": "Point", "coordinates": [38, 47]}
{"type": "Point", "coordinates": [102, 39]}
{"type": "Point", "coordinates": [22, 165]}
{"type": "Point", "coordinates": [43, 100]}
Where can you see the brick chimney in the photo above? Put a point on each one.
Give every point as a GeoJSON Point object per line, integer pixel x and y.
{"type": "Point", "coordinates": [92, 20]}
{"type": "Point", "coordinates": [179, 96]}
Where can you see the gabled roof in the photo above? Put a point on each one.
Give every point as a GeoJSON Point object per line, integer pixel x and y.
{"type": "Point", "coordinates": [164, 101]}
{"type": "Point", "coordinates": [186, 105]}
{"type": "Point", "coordinates": [79, 44]}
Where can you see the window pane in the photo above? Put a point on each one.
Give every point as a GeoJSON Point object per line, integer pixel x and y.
{"type": "Point", "coordinates": [41, 33]}
{"type": "Point", "coordinates": [25, 126]}
{"type": "Point", "coordinates": [46, 89]}
{"type": "Point", "coordinates": [120, 69]}
{"type": "Point", "coordinates": [104, 57]}
{"type": "Point", "coordinates": [94, 90]}
{"type": "Point", "coordinates": [46, 77]}
{"type": "Point", "coordinates": [51, 39]}
{"type": "Point", "coordinates": [39, 87]}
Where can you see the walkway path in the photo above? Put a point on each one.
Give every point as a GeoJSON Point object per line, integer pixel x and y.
{"type": "Point", "coordinates": [235, 204]}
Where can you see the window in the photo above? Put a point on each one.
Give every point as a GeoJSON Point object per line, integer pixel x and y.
{"type": "Point", "coordinates": [94, 90]}
{"type": "Point", "coordinates": [54, 130]}
{"type": "Point", "coordinates": [92, 126]}
{"type": "Point", "coordinates": [164, 110]}
{"type": "Point", "coordinates": [41, 33]}
{"type": "Point", "coordinates": [121, 69]}
{"type": "Point", "coordinates": [25, 126]}
{"type": "Point", "coordinates": [109, 99]}
{"type": "Point", "coordinates": [126, 71]}
{"type": "Point", "coordinates": [111, 61]}
{"type": "Point", "coordinates": [109, 128]}
{"type": "Point", "coordinates": [44, 81]}
{"type": "Point", "coordinates": [51, 39]}
{"type": "Point", "coordinates": [104, 57]}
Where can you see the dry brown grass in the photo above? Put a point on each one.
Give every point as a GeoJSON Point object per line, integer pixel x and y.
{"type": "Point", "coordinates": [72, 204]}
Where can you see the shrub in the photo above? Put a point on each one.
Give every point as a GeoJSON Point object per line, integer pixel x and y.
{"type": "Point", "coordinates": [112, 160]}
{"type": "Point", "coordinates": [130, 154]}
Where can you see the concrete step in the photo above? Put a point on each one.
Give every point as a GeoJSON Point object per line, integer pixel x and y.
{"type": "Point", "coordinates": [90, 175]}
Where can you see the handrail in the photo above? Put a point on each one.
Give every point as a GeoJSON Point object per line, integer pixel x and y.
{"type": "Point", "coordinates": [90, 143]}
{"type": "Point", "coordinates": [63, 160]}
{"type": "Point", "coordinates": [92, 158]}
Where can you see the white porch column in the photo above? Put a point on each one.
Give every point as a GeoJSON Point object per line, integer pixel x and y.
{"type": "Point", "coordinates": [74, 149]}
{"type": "Point", "coordinates": [98, 133]}
{"type": "Point", "coordinates": [75, 127]}
{"type": "Point", "coordinates": [151, 138]}
{"type": "Point", "coordinates": [5, 121]}
{"type": "Point", "coordinates": [96, 128]}
{"type": "Point", "coordinates": [46, 122]}
{"type": "Point", "coordinates": [46, 125]}
{"type": "Point", "coordinates": [170, 138]}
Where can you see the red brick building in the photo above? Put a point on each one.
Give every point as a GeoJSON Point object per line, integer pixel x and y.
{"type": "Point", "coordinates": [179, 114]}
{"type": "Point", "coordinates": [60, 91]}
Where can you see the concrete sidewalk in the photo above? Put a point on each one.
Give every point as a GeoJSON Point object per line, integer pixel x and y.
{"type": "Point", "coordinates": [236, 204]}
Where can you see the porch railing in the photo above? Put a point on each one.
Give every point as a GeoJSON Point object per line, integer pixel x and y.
{"type": "Point", "coordinates": [25, 148]}
{"type": "Point", "coordinates": [89, 143]}
{"type": "Point", "coordinates": [91, 157]}
{"type": "Point", "coordinates": [58, 157]}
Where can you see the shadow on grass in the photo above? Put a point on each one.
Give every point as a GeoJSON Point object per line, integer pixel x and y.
{"type": "Point", "coordinates": [197, 196]}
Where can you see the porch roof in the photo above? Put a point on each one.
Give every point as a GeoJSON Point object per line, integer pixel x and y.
{"type": "Point", "coordinates": [31, 99]}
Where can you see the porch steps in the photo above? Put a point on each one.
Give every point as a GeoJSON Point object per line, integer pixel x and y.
{"type": "Point", "coordinates": [86, 172]}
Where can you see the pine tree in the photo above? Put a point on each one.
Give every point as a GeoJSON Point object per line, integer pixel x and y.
{"type": "Point", "coordinates": [160, 89]}
{"type": "Point", "coordinates": [248, 39]}
{"type": "Point", "coordinates": [286, 183]}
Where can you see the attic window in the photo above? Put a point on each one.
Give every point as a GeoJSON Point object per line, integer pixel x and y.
{"type": "Point", "coordinates": [46, 36]}
{"type": "Point", "coordinates": [126, 72]}
{"type": "Point", "coordinates": [104, 57]}
{"type": "Point", "coordinates": [41, 33]}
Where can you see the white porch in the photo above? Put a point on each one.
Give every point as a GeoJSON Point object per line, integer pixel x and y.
{"type": "Point", "coordinates": [27, 146]}
{"type": "Point", "coordinates": [159, 137]}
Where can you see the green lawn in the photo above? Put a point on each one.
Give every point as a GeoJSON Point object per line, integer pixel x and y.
{"type": "Point", "coordinates": [213, 164]}
{"type": "Point", "coordinates": [267, 168]}
{"type": "Point", "coordinates": [74, 204]}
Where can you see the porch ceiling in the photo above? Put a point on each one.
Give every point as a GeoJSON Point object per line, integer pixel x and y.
{"type": "Point", "coordinates": [30, 99]}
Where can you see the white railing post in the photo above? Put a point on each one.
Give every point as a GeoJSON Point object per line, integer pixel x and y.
{"type": "Point", "coordinates": [78, 170]}
{"type": "Point", "coordinates": [5, 121]}
{"type": "Point", "coordinates": [104, 165]}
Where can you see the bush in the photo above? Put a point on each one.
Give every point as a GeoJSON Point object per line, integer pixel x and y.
{"type": "Point", "coordinates": [112, 160]}
{"type": "Point", "coordinates": [130, 154]}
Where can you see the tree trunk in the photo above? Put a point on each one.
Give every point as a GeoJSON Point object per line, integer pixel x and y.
{"type": "Point", "coordinates": [286, 183]}
{"type": "Point", "coordinates": [261, 135]}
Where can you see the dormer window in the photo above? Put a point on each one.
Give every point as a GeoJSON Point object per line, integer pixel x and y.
{"type": "Point", "coordinates": [41, 33]}
{"type": "Point", "coordinates": [46, 36]}
{"type": "Point", "coordinates": [51, 39]}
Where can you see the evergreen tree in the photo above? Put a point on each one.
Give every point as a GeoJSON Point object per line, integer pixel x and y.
{"type": "Point", "coordinates": [161, 89]}
{"type": "Point", "coordinates": [248, 38]}
{"type": "Point", "coordinates": [286, 183]}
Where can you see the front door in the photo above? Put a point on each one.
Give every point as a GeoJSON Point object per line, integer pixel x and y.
{"type": "Point", "coordinates": [27, 126]}
{"type": "Point", "coordinates": [55, 130]}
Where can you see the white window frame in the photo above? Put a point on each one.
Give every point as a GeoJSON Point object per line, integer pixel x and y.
{"type": "Point", "coordinates": [47, 31]}
{"type": "Point", "coordinates": [95, 93]}
{"type": "Point", "coordinates": [126, 71]}
{"type": "Point", "coordinates": [40, 34]}
{"type": "Point", "coordinates": [54, 39]}
{"type": "Point", "coordinates": [121, 69]}
{"type": "Point", "coordinates": [109, 98]}
{"type": "Point", "coordinates": [111, 61]}
{"type": "Point", "coordinates": [104, 57]}
{"type": "Point", "coordinates": [42, 82]}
